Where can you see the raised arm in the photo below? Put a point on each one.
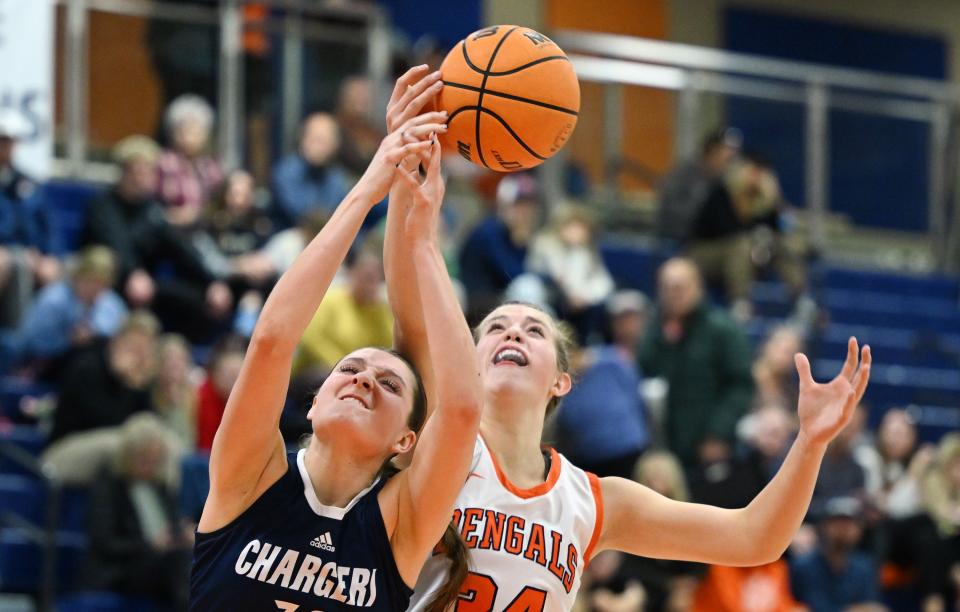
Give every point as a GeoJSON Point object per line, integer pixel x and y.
{"type": "Point", "coordinates": [412, 92]}
{"type": "Point", "coordinates": [248, 452]}
{"type": "Point", "coordinates": [425, 492]}
{"type": "Point", "coordinates": [642, 522]}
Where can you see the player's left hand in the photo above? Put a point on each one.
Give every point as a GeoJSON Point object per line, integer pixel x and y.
{"type": "Point", "coordinates": [410, 139]}
{"type": "Point", "coordinates": [825, 409]}
{"type": "Point", "coordinates": [423, 216]}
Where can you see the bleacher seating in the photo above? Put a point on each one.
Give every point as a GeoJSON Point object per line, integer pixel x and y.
{"type": "Point", "coordinates": [103, 602]}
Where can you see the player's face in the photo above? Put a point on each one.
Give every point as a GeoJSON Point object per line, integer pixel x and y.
{"type": "Point", "coordinates": [517, 347]}
{"type": "Point", "coordinates": [368, 396]}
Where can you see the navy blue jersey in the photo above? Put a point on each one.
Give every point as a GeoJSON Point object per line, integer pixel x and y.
{"type": "Point", "coordinates": [290, 552]}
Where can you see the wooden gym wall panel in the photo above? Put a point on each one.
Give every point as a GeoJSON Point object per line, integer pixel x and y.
{"type": "Point", "coordinates": [647, 119]}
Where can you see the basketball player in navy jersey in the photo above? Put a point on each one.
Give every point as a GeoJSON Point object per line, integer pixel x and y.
{"type": "Point", "coordinates": [318, 529]}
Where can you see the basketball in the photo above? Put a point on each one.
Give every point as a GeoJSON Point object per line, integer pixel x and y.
{"type": "Point", "coordinates": [512, 98]}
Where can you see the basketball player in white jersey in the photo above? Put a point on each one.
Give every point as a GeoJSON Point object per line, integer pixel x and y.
{"type": "Point", "coordinates": [532, 520]}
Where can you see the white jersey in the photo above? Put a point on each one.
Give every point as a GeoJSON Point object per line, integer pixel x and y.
{"type": "Point", "coordinates": [528, 547]}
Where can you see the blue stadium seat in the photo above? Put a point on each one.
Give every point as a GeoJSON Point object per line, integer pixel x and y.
{"type": "Point", "coordinates": [99, 601]}
{"type": "Point", "coordinates": [21, 561]}
{"type": "Point", "coordinates": [67, 202]}
{"type": "Point", "coordinates": [195, 484]}
{"type": "Point", "coordinates": [24, 437]}
{"type": "Point", "coordinates": [24, 496]}
{"type": "Point", "coordinates": [941, 287]}
{"type": "Point", "coordinates": [632, 267]}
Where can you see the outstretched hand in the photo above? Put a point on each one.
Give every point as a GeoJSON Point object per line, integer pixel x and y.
{"type": "Point", "coordinates": [825, 409]}
{"type": "Point", "coordinates": [423, 216]}
{"type": "Point", "coordinates": [412, 138]}
{"type": "Point", "coordinates": [410, 95]}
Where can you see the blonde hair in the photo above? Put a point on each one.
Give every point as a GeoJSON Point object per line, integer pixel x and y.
{"type": "Point", "coordinates": [136, 147]}
{"type": "Point", "coordinates": [97, 262]}
{"type": "Point", "coordinates": [949, 449]}
{"type": "Point", "coordinates": [573, 213]}
{"type": "Point", "coordinates": [669, 463]}
{"type": "Point", "coordinates": [141, 321]}
{"type": "Point", "coordinates": [136, 434]}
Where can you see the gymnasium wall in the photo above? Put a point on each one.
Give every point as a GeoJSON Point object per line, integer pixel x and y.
{"type": "Point", "coordinates": [647, 119]}
{"type": "Point", "coordinates": [700, 22]}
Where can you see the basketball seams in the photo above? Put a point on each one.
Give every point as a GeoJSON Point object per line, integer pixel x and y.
{"type": "Point", "coordinates": [483, 84]}
{"type": "Point", "coordinates": [502, 121]}
{"type": "Point", "coordinates": [511, 132]}
{"type": "Point", "coordinates": [502, 94]}
{"type": "Point", "coordinates": [530, 64]}
{"type": "Point", "coordinates": [478, 69]}
{"type": "Point", "coordinates": [467, 89]}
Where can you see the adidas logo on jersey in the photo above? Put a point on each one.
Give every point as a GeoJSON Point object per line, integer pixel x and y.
{"type": "Point", "coordinates": [324, 542]}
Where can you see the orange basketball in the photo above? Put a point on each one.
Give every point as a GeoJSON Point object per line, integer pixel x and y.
{"type": "Point", "coordinates": [511, 95]}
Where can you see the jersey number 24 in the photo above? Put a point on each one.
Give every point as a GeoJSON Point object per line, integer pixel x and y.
{"type": "Point", "coordinates": [479, 591]}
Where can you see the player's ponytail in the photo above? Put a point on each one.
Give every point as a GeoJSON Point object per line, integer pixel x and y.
{"type": "Point", "coordinates": [451, 546]}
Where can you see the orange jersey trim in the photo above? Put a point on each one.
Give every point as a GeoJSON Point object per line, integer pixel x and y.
{"type": "Point", "coordinates": [535, 491]}
{"type": "Point", "coordinates": [598, 526]}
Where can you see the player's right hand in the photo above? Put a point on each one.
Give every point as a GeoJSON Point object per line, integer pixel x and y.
{"type": "Point", "coordinates": [410, 95]}
{"type": "Point", "coordinates": [412, 138]}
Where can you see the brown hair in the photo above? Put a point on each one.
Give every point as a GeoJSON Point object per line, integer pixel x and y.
{"type": "Point", "coordinates": [563, 342]}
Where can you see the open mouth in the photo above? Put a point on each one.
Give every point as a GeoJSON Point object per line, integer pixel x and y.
{"type": "Point", "coordinates": [510, 356]}
{"type": "Point", "coordinates": [357, 399]}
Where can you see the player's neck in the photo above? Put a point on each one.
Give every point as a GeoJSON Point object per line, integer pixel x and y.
{"type": "Point", "coordinates": [513, 437]}
{"type": "Point", "coordinates": [337, 476]}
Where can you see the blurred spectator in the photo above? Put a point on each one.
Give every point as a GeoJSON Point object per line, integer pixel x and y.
{"type": "Point", "coordinates": [669, 584]}
{"type": "Point", "coordinates": [494, 253]}
{"type": "Point", "coordinates": [234, 234]}
{"type": "Point", "coordinates": [774, 372]}
{"type": "Point", "coordinates": [836, 577]}
{"type": "Point", "coordinates": [606, 588]}
{"type": "Point", "coordinates": [128, 220]}
{"type": "Point", "coordinates": [103, 386]}
{"type": "Point", "coordinates": [26, 237]}
{"type": "Point", "coordinates": [905, 536]}
{"type": "Point", "coordinates": [351, 316]}
{"type": "Point", "coordinates": [568, 257]}
{"type": "Point", "coordinates": [69, 314]}
{"type": "Point", "coordinates": [138, 546]}
{"type": "Point", "coordinates": [361, 136]}
{"type": "Point", "coordinates": [602, 423]}
{"type": "Point", "coordinates": [235, 222]}
{"type": "Point", "coordinates": [942, 499]}
{"type": "Point", "coordinates": [685, 190]}
{"type": "Point", "coordinates": [738, 231]}
{"type": "Point", "coordinates": [310, 179]}
{"type": "Point", "coordinates": [222, 372]}
{"type": "Point", "coordinates": [841, 475]}
{"type": "Point", "coordinates": [765, 588]}
{"type": "Point", "coordinates": [187, 174]}
{"type": "Point", "coordinates": [285, 245]}
{"type": "Point", "coordinates": [174, 393]}
{"type": "Point", "coordinates": [705, 359]}
{"type": "Point", "coordinates": [769, 432]}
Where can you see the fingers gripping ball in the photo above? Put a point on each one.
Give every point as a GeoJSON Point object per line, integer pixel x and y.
{"type": "Point", "coordinates": [512, 98]}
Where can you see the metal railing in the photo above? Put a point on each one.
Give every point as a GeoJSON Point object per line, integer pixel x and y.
{"type": "Point", "coordinates": [616, 61]}
{"type": "Point", "coordinates": [44, 536]}
{"type": "Point", "coordinates": [296, 21]}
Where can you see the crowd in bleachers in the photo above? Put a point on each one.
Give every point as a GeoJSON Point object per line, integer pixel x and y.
{"type": "Point", "coordinates": [120, 341]}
